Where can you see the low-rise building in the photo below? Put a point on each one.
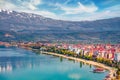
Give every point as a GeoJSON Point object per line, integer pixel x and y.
{"type": "Point", "coordinates": [117, 57]}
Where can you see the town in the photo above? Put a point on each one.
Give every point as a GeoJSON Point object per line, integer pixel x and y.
{"type": "Point", "coordinates": [108, 54]}
{"type": "Point", "coordinates": [106, 51]}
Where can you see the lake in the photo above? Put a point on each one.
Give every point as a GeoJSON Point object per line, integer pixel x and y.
{"type": "Point", "coordinates": [20, 64]}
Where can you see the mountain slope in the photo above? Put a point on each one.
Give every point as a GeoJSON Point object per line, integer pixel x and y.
{"type": "Point", "coordinates": [17, 21]}
{"type": "Point", "coordinates": [27, 26]}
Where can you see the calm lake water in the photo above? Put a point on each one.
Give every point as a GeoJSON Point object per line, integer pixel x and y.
{"type": "Point", "coordinates": [20, 64]}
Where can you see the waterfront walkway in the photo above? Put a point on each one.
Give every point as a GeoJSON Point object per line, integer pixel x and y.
{"type": "Point", "coordinates": [110, 69]}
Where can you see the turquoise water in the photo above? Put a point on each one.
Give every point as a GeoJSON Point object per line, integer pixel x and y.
{"type": "Point", "coordinates": [20, 64]}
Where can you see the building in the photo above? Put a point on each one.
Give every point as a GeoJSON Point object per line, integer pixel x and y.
{"type": "Point", "coordinates": [117, 57]}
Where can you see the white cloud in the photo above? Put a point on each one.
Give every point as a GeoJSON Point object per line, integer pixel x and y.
{"type": "Point", "coordinates": [31, 7]}
{"type": "Point", "coordinates": [66, 2]}
{"type": "Point", "coordinates": [47, 14]}
{"type": "Point", "coordinates": [43, 13]}
{"type": "Point", "coordinates": [90, 8]}
{"type": "Point", "coordinates": [79, 9]}
{"type": "Point", "coordinates": [36, 2]}
{"type": "Point", "coordinates": [31, 4]}
{"type": "Point", "coordinates": [6, 5]}
{"type": "Point", "coordinates": [109, 12]}
{"type": "Point", "coordinates": [28, 4]}
{"type": "Point", "coordinates": [80, 12]}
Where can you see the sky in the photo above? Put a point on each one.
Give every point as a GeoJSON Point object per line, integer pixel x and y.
{"type": "Point", "coordinates": [72, 10]}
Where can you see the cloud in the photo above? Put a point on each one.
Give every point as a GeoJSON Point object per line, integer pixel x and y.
{"type": "Point", "coordinates": [31, 4]}
{"type": "Point", "coordinates": [66, 2]}
{"type": "Point", "coordinates": [79, 9]}
{"type": "Point", "coordinates": [6, 5]}
{"type": "Point", "coordinates": [22, 4]}
{"type": "Point", "coordinates": [36, 2]}
{"type": "Point", "coordinates": [109, 12]}
{"type": "Point", "coordinates": [43, 13]}
{"type": "Point", "coordinates": [47, 14]}
{"type": "Point", "coordinates": [64, 11]}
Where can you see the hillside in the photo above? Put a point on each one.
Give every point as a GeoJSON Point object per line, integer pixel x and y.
{"type": "Point", "coordinates": [27, 26]}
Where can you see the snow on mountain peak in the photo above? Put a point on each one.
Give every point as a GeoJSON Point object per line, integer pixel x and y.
{"type": "Point", "coordinates": [6, 10]}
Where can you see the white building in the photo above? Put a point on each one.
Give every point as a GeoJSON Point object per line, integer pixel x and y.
{"type": "Point", "coordinates": [77, 51]}
{"type": "Point", "coordinates": [117, 57]}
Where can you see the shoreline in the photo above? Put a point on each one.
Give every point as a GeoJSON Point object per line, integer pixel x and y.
{"type": "Point", "coordinates": [110, 69]}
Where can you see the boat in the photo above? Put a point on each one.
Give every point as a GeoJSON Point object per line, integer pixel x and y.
{"type": "Point", "coordinates": [98, 70]}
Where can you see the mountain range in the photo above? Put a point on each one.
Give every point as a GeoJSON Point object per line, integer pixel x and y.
{"type": "Point", "coordinates": [21, 26]}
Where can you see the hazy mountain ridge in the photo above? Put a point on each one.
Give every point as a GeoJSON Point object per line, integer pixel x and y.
{"type": "Point", "coordinates": [37, 27]}
{"type": "Point", "coordinates": [21, 21]}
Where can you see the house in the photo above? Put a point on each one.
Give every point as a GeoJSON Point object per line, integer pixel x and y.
{"type": "Point", "coordinates": [77, 51]}
{"type": "Point", "coordinates": [117, 57]}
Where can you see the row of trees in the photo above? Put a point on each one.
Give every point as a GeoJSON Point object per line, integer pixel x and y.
{"type": "Point", "coordinates": [67, 52]}
{"type": "Point", "coordinates": [60, 51]}
{"type": "Point", "coordinates": [87, 57]}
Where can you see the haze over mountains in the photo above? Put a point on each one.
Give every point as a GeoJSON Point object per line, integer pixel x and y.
{"type": "Point", "coordinates": [27, 26]}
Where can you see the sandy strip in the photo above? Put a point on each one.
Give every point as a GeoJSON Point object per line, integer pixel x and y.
{"type": "Point", "coordinates": [110, 69]}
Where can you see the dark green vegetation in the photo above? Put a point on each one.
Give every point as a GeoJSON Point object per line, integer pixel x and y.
{"type": "Point", "coordinates": [118, 74]}
{"type": "Point", "coordinates": [32, 27]}
{"type": "Point", "coordinates": [113, 37]}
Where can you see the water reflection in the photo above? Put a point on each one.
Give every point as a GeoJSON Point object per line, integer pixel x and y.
{"type": "Point", "coordinates": [6, 68]}
{"type": "Point", "coordinates": [12, 64]}
{"type": "Point", "coordinates": [8, 64]}
{"type": "Point", "coordinates": [11, 59]}
{"type": "Point", "coordinates": [90, 66]}
{"type": "Point", "coordinates": [37, 67]}
{"type": "Point", "coordinates": [61, 59]}
{"type": "Point", "coordinates": [81, 63]}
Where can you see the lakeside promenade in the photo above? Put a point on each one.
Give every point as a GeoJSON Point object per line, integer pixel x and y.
{"type": "Point", "coordinates": [110, 69]}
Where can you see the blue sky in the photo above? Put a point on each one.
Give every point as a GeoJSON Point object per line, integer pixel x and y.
{"type": "Point", "coordinates": [72, 10]}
